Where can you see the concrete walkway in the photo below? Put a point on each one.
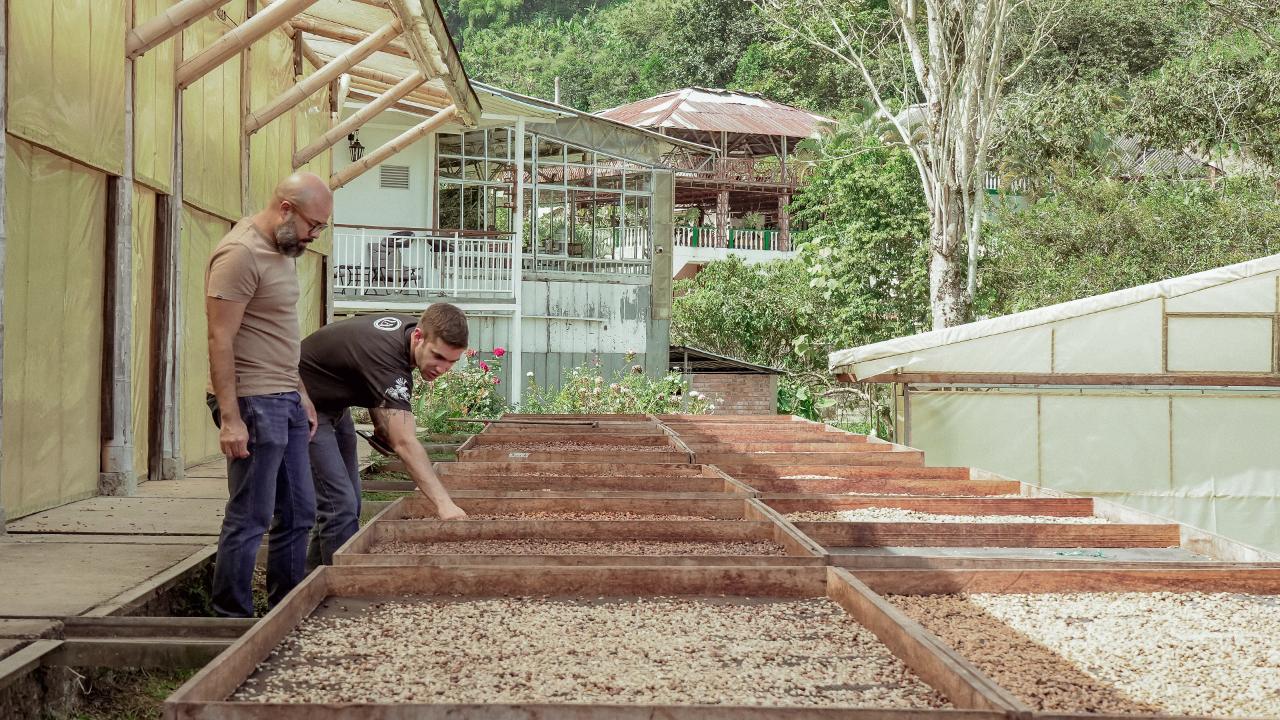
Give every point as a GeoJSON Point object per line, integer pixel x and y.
{"type": "Point", "coordinates": [96, 556]}
{"type": "Point", "coordinates": [108, 555]}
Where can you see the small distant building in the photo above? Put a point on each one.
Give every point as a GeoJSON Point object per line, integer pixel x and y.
{"type": "Point", "coordinates": [755, 175]}
{"type": "Point", "coordinates": [735, 386]}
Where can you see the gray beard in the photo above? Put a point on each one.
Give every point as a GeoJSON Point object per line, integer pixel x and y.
{"type": "Point", "coordinates": [287, 242]}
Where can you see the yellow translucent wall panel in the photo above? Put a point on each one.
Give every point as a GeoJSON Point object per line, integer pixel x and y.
{"type": "Point", "coordinates": [144, 259]}
{"type": "Point", "coordinates": [311, 299]}
{"type": "Point", "coordinates": [200, 233]}
{"type": "Point", "coordinates": [211, 123]}
{"type": "Point", "coordinates": [1257, 294]}
{"type": "Point", "coordinates": [1104, 444]}
{"type": "Point", "coordinates": [312, 120]}
{"type": "Point", "coordinates": [989, 431]}
{"type": "Point", "coordinates": [1123, 340]}
{"type": "Point", "coordinates": [271, 148]}
{"type": "Point", "coordinates": [66, 78]}
{"type": "Point", "coordinates": [1221, 344]}
{"type": "Point", "coordinates": [153, 105]}
{"type": "Point", "coordinates": [56, 213]}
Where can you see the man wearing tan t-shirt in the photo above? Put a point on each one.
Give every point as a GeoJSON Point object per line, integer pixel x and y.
{"type": "Point", "coordinates": [264, 417]}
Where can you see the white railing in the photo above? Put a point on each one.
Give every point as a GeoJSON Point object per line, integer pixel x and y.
{"type": "Point", "coordinates": [380, 262]}
{"type": "Point", "coordinates": [605, 266]}
{"type": "Point", "coordinates": [632, 244]}
{"type": "Point", "coordinates": [739, 238]}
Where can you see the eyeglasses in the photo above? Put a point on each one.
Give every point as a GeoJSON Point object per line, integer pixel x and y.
{"type": "Point", "coordinates": [313, 227]}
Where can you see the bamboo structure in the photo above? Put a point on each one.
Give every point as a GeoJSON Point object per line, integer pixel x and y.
{"type": "Point", "coordinates": [167, 24]}
{"type": "Point", "coordinates": [323, 76]}
{"type": "Point", "coordinates": [357, 119]}
{"type": "Point", "coordinates": [399, 143]}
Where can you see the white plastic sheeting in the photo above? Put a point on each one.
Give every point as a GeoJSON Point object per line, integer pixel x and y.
{"type": "Point", "coordinates": [1205, 458]}
{"type": "Point", "coordinates": [1120, 332]}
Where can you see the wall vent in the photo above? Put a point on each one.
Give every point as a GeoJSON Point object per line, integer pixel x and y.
{"type": "Point", "coordinates": [393, 177]}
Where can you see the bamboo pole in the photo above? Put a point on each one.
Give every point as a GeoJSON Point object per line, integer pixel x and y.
{"type": "Point", "coordinates": [402, 141]}
{"type": "Point", "coordinates": [237, 39]}
{"type": "Point", "coordinates": [167, 24]}
{"type": "Point", "coordinates": [422, 96]}
{"type": "Point", "coordinates": [334, 31]}
{"type": "Point", "coordinates": [400, 106]}
{"type": "Point", "coordinates": [353, 123]}
{"type": "Point", "coordinates": [344, 89]}
{"type": "Point", "coordinates": [331, 70]}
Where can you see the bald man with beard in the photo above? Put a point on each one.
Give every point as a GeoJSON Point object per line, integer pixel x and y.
{"type": "Point", "coordinates": [259, 404]}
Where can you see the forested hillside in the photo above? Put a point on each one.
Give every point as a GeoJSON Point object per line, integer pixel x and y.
{"type": "Point", "coordinates": [1110, 85]}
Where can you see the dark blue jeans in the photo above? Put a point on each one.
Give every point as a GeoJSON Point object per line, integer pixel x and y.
{"type": "Point", "coordinates": [269, 489]}
{"type": "Point", "coordinates": [337, 478]}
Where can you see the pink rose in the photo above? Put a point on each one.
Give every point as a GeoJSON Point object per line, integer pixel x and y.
{"type": "Point", "coordinates": [496, 380]}
{"type": "Point", "coordinates": [484, 366]}
{"type": "Point", "coordinates": [471, 353]}
{"type": "Point", "coordinates": [499, 352]}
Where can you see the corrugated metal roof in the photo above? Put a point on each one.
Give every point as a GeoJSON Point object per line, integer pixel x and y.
{"type": "Point", "coordinates": [714, 110]}
{"type": "Point", "coordinates": [695, 360]}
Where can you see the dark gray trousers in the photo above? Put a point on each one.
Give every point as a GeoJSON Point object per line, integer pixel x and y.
{"type": "Point", "coordinates": [336, 473]}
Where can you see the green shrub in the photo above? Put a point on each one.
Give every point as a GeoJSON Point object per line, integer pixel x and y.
{"type": "Point", "coordinates": [470, 389]}
{"type": "Point", "coordinates": [586, 390]}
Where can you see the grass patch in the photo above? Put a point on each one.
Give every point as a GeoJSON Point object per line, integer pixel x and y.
{"type": "Point", "coordinates": [129, 694]}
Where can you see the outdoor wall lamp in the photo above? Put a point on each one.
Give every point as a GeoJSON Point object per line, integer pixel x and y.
{"type": "Point", "coordinates": [353, 144]}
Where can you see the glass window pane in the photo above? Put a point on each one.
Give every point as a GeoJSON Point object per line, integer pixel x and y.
{"type": "Point", "coordinates": [450, 206]}
{"type": "Point", "coordinates": [552, 224]}
{"type": "Point", "coordinates": [474, 169]}
{"type": "Point", "coordinates": [581, 175]}
{"type": "Point", "coordinates": [473, 208]}
{"type": "Point", "coordinates": [639, 181]}
{"type": "Point", "coordinates": [474, 144]}
{"type": "Point", "coordinates": [550, 150]}
{"type": "Point", "coordinates": [450, 167]}
{"type": "Point", "coordinates": [578, 155]}
{"type": "Point", "coordinates": [499, 144]}
{"type": "Point", "coordinates": [449, 143]}
{"type": "Point", "coordinates": [550, 173]}
{"type": "Point", "coordinates": [635, 240]}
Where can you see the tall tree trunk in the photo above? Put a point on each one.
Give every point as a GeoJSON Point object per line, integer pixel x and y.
{"type": "Point", "coordinates": [947, 297]}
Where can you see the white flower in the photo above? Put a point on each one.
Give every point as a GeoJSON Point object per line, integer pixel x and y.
{"type": "Point", "coordinates": [696, 394]}
{"type": "Point", "coordinates": [529, 374]}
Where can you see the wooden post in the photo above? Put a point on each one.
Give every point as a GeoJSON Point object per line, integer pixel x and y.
{"type": "Point", "coordinates": [116, 475]}
{"type": "Point", "coordinates": [241, 37]}
{"type": "Point", "coordinates": [722, 218]}
{"type": "Point", "coordinates": [357, 120]}
{"type": "Point", "coordinates": [516, 342]}
{"type": "Point", "coordinates": [151, 33]}
{"type": "Point", "coordinates": [331, 70]}
{"type": "Point", "coordinates": [4, 204]}
{"type": "Point", "coordinates": [784, 223]}
{"type": "Point", "coordinates": [402, 141]}
{"type": "Point", "coordinates": [166, 445]}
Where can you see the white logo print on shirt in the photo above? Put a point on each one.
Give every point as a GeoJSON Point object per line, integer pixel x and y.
{"type": "Point", "coordinates": [400, 391]}
{"type": "Point", "coordinates": [388, 324]}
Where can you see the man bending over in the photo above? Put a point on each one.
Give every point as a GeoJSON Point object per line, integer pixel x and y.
{"type": "Point", "coordinates": [368, 362]}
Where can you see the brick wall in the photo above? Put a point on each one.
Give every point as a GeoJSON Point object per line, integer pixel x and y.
{"type": "Point", "coordinates": [738, 394]}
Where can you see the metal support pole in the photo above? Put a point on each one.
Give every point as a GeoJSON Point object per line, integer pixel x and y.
{"type": "Point", "coordinates": [516, 343]}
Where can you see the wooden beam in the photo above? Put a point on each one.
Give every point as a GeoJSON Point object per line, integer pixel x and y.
{"type": "Point", "coordinates": [237, 39]}
{"type": "Point", "coordinates": [361, 116]}
{"type": "Point", "coordinates": [1159, 379]}
{"type": "Point", "coordinates": [167, 24]}
{"type": "Point", "coordinates": [342, 33]}
{"type": "Point", "coordinates": [399, 143]}
{"type": "Point", "coordinates": [317, 80]}
{"type": "Point", "coordinates": [432, 49]}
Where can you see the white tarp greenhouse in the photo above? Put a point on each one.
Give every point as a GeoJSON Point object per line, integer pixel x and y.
{"type": "Point", "coordinates": [1164, 397]}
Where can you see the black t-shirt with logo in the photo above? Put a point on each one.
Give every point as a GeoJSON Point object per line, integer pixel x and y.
{"type": "Point", "coordinates": [363, 361]}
